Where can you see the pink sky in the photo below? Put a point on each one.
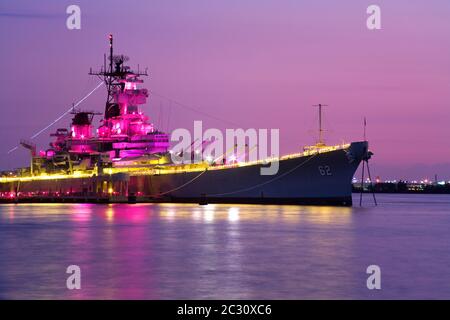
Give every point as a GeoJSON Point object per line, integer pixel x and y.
{"type": "Point", "coordinates": [261, 64]}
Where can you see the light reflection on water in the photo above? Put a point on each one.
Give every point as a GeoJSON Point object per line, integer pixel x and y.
{"type": "Point", "coordinates": [164, 251]}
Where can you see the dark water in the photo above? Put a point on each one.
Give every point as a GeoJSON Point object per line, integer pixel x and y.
{"type": "Point", "coordinates": [173, 251]}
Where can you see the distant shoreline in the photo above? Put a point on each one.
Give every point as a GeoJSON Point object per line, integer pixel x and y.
{"type": "Point", "coordinates": [402, 187]}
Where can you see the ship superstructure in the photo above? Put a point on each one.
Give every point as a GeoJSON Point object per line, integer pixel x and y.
{"type": "Point", "coordinates": [124, 133]}
{"type": "Point", "coordinates": [127, 159]}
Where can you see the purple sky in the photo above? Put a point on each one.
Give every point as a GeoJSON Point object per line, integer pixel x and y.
{"type": "Point", "coordinates": [261, 64]}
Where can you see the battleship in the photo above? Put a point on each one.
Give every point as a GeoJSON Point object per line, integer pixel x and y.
{"type": "Point", "coordinates": [127, 159]}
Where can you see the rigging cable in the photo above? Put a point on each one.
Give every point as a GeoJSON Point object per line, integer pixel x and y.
{"type": "Point", "coordinates": [61, 116]}
{"type": "Point", "coordinates": [195, 109]}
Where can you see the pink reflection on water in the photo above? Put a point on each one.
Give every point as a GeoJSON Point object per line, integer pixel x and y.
{"type": "Point", "coordinates": [11, 211]}
{"type": "Point", "coordinates": [136, 213]}
{"type": "Point", "coordinates": [80, 240]}
{"type": "Point", "coordinates": [81, 212]}
{"type": "Point", "coordinates": [113, 256]}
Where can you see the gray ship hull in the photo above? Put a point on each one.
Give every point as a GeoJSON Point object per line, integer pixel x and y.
{"type": "Point", "coordinates": [322, 179]}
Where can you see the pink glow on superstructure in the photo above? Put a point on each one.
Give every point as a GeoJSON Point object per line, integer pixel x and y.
{"type": "Point", "coordinates": [81, 132]}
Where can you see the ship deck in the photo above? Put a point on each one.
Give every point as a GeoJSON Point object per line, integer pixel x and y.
{"type": "Point", "coordinates": [168, 168]}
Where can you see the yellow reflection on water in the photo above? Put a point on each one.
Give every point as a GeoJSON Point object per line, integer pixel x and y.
{"type": "Point", "coordinates": [269, 213]}
{"type": "Point", "coordinates": [233, 214]}
{"type": "Point", "coordinates": [110, 213]}
{"type": "Point", "coordinates": [76, 211]}
{"type": "Point", "coordinates": [327, 215]}
{"type": "Point", "coordinates": [197, 214]}
{"type": "Point", "coordinates": [210, 213]}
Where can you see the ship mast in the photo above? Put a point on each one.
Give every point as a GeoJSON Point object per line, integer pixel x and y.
{"type": "Point", "coordinates": [320, 142]}
{"type": "Point", "coordinates": [109, 79]}
{"type": "Point", "coordinates": [116, 71]}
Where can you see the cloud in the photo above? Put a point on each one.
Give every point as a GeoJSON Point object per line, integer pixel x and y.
{"type": "Point", "coordinates": [27, 15]}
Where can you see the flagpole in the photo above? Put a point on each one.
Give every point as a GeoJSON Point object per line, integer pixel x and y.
{"type": "Point", "coordinates": [365, 124]}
